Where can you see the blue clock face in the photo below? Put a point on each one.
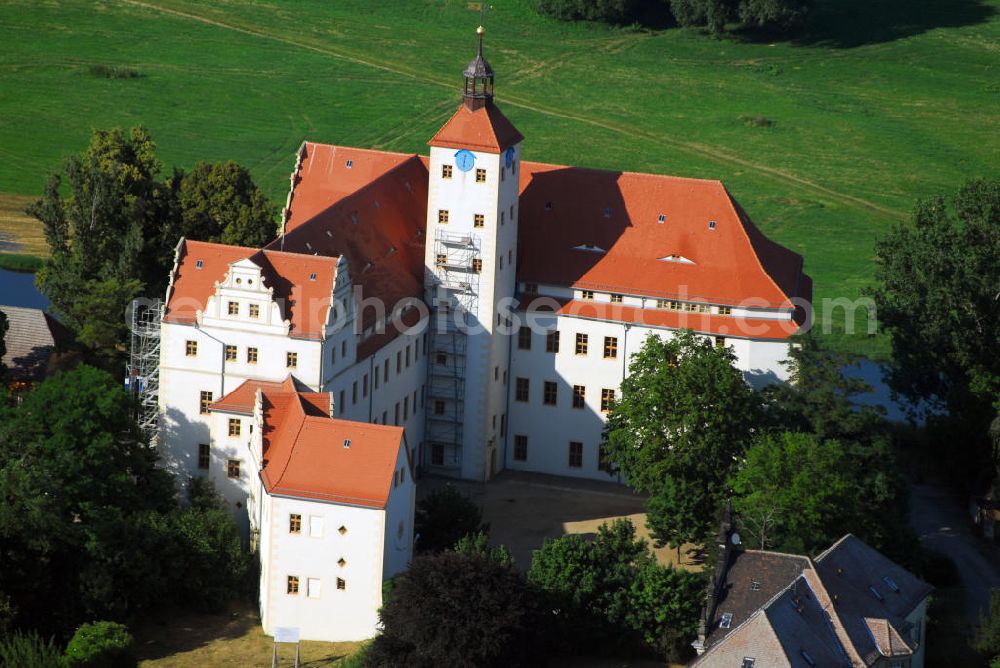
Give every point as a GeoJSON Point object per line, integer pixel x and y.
{"type": "Point", "coordinates": [464, 160]}
{"type": "Point", "coordinates": [508, 157]}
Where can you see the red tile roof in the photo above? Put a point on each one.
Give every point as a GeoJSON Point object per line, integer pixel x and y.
{"type": "Point", "coordinates": [305, 457]}
{"type": "Point", "coordinates": [705, 323]}
{"type": "Point", "coordinates": [304, 301]}
{"type": "Point", "coordinates": [244, 397]}
{"type": "Point", "coordinates": [378, 228]}
{"type": "Point", "coordinates": [485, 129]}
{"type": "Point", "coordinates": [617, 213]}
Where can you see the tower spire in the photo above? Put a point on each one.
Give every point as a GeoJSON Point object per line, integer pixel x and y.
{"type": "Point", "coordinates": [478, 90]}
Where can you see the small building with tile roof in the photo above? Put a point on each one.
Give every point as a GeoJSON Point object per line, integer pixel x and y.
{"type": "Point", "coordinates": [31, 341]}
{"type": "Point", "coordinates": [850, 607]}
{"type": "Point", "coordinates": [327, 504]}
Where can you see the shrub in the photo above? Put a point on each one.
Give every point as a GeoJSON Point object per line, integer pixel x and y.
{"type": "Point", "coordinates": [101, 645]}
{"type": "Point", "coordinates": [443, 517]}
{"type": "Point", "coordinates": [29, 651]}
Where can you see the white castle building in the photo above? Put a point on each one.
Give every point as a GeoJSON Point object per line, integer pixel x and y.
{"type": "Point", "coordinates": [482, 306]}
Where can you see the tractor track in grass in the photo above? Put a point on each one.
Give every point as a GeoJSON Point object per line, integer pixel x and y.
{"type": "Point", "coordinates": [695, 148]}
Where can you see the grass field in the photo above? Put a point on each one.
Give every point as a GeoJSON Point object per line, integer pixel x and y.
{"type": "Point", "coordinates": [893, 100]}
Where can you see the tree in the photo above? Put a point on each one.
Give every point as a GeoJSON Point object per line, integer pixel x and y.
{"type": "Point", "coordinates": [478, 543]}
{"type": "Point", "coordinates": [616, 12]}
{"type": "Point", "coordinates": [609, 595]}
{"type": "Point", "coordinates": [676, 513]}
{"type": "Point", "coordinates": [4, 325]}
{"type": "Point", "coordinates": [101, 645]}
{"type": "Point", "coordinates": [937, 296]}
{"type": "Point", "coordinates": [685, 413]}
{"type": "Point", "coordinates": [443, 517]}
{"type": "Point", "coordinates": [714, 14]}
{"type": "Point", "coordinates": [986, 640]}
{"type": "Point", "coordinates": [220, 202]}
{"type": "Point", "coordinates": [457, 609]}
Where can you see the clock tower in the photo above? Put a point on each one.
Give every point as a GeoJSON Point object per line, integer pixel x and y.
{"type": "Point", "coordinates": [471, 246]}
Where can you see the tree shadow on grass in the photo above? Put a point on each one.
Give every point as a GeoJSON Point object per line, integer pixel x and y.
{"type": "Point", "coordinates": [846, 24]}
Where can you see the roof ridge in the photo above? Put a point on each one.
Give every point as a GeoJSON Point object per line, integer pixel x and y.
{"type": "Point", "coordinates": [358, 148]}
{"type": "Point", "coordinates": [291, 448]}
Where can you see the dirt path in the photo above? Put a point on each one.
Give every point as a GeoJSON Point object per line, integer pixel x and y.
{"type": "Point", "coordinates": [942, 525]}
{"type": "Point", "coordinates": [702, 150]}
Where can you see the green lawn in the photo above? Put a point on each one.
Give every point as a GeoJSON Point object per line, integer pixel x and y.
{"type": "Point", "coordinates": [895, 100]}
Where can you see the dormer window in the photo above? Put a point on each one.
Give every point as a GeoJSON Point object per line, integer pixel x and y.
{"type": "Point", "coordinates": [199, 264]}
{"type": "Point", "coordinates": [711, 224]}
{"type": "Point", "coordinates": [350, 164]}
{"type": "Point", "coordinates": [607, 212]}
{"type": "Point", "coordinates": [312, 277]}
{"type": "Point", "coordinates": [548, 206]}
{"type": "Point", "coordinates": [233, 308]}
{"type": "Point", "coordinates": [589, 247]}
{"type": "Point", "coordinates": [661, 219]}
{"type": "Point", "coordinates": [726, 621]}
{"type": "Point", "coordinates": [890, 583]}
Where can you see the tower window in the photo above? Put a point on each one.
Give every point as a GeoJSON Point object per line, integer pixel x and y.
{"type": "Point", "coordinates": [230, 353]}
{"type": "Point", "coordinates": [521, 389]}
{"type": "Point", "coordinates": [477, 265]}
{"type": "Point", "coordinates": [524, 338]}
{"type": "Point", "coordinates": [254, 311]}
{"type": "Point", "coordinates": [478, 220]}
{"type": "Point", "coordinates": [575, 454]}
{"type": "Point", "coordinates": [581, 344]}
{"type": "Point", "coordinates": [442, 259]}
{"type": "Point", "coordinates": [443, 216]}
{"type": "Point", "coordinates": [204, 402]}
{"type": "Point", "coordinates": [251, 355]}
{"type": "Point", "coordinates": [191, 348]}
{"type": "Point", "coordinates": [291, 360]}
{"type": "Point", "coordinates": [520, 447]}
{"type": "Point", "coordinates": [607, 398]}
{"type": "Point", "coordinates": [579, 396]}
{"type": "Point", "coordinates": [234, 427]}
{"type": "Point", "coordinates": [480, 176]}
{"type": "Point", "coordinates": [294, 523]}
{"type": "Point", "coordinates": [551, 393]}
{"type": "Point", "coordinates": [293, 585]}
{"type": "Point", "coordinates": [234, 308]}
{"type": "Point", "coordinates": [446, 171]}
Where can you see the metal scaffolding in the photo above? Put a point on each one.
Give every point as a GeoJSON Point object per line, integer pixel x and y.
{"type": "Point", "coordinates": [454, 293]}
{"type": "Point", "coordinates": [142, 374]}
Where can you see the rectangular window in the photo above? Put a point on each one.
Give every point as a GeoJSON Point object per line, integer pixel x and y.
{"type": "Point", "coordinates": [293, 585]}
{"type": "Point", "coordinates": [443, 216]}
{"type": "Point", "coordinates": [399, 362]}
{"type": "Point", "coordinates": [477, 266]}
{"type": "Point", "coordinates": [354, 393]}
{"type": "Point", "coordinates": [234, 426]}
{"type": "Point", "coordinates": [616, 298]}
{"type": "Point", "coordinates": [395, 416]}
{"type": "Point", "coordinates": [406, 407]}
{"type": "Point", "coordinates": [251, 355]}
{"type": "Point", "coordinates": [191, 348]}
{"type": "Point", "coordinates": [503, 217]}
{"type": "Point", "coordinates": [364, 386]}
{"type": "Point", "coordinates": [437, 454]}
{"type": "Point", "coordinates": [342, 403]}
{"type": "Point", "coordinates": [294, 523]}
{"type": "Point", "coordinates": [581, 344]}
{"type": "Point", "coordinates": [441, 358]}
{"type": "Point", "coordinates": [602, 459]}
{"type": "Point", "coordinates": [385, 417]}
{"type": "Point", "coordinates": [521, 389]}
{"type": "Point", "coordinates": [333, 355]}
{"type": "Point", "coordinates": [720, 342]}
{"type": "Point", "coordinates": [230, 353]}
{"type": "Point", "coordinates": [314, 587]}
{"type": "Point", "coordinates": [204, 402]}
{"type": "Point", "coordinates": [478, 220]}
{"type": "Point", "coordinates": [575, 454]}
{"type": "Point", "coordinates": [254, 310]}
{"type": "Point", "coordinates": [610, 347]}
{"type": "Point", "coordinates": [233, 468]}
{"type": "Point", "coordinates": [438, 407]}
{"type": "Point", "coordinates": [502, 173]}
{"type": "Point", "coordinates": [407, 356]}
{"type": "Point", "coordinates": [552, 342]}
{"type": "Point", "coordinates": [343, 348]}
{"type": "Point", "coordinates": [503, 425]}
{"type": "Point", "coordinates": [524, 338]}
{"type": "Point", "coordinates": [661, 303]}
{"type": "Point", "coordinates": [203, 455]}
{"type": "Point", "coordinates": [520, 448]}
{"type": "Point", "coordinates": [587, 294]}
{"type": "Point", "coordinates": [480, 176]}
{"type": "Point", "coordinates": [446, 171]}
{"type": "Point", "coordinates": [234, 308]}
{"type": "Point", "coordinates": [442, 259]}
{"type": "Point", "coordinates": [579, 396]}
{"type": "Point", "coordinates": [291, 360]}
{"type": "Point", "coordinates": [725, 310]}
{"type": "Point", "coordinates": [607, 398]}
{"type": "Point", "coordinates": [385, 371]}
{"type": "Point", "coordinates": [550, 393]}
{"type": "Point", "coordinates": [341, 584]}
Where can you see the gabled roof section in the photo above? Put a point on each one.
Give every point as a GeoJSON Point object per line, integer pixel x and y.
{"type": "Point", "coordinates": [639, 219]}
{"type": "Point", "coordinates": [304, 300]}
{"type": "Point", "coordinates": [31, 340]}
{"type": "Point", "coordinates": [243, 398]}
{"type": "Point", "coordinates": [309, 455]}
{"type": "Point", "coordinates": [485, 129]}
{"type": "Point", "coordinates": [325, 174]}
{"type": "Point", "coordinates": [378, 227]}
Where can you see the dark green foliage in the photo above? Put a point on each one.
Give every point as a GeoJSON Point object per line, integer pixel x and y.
{"type": "Point", "coordinates": [220, 202]}
{"type": "Point", "coordinates": [687, 414]}
{"type": "Point", "coordinates": [4, 326]}
{"type": "Point", "coordinates": [617, 12]}
{"type": "Point", "coordinates": [479, 543]}
{"type": "Point", "coordinates": [18, 262]}
{"type": "Point", "coordinates": [986, 640]}
{"type": "Point", "coordinates": [29, 650]}
{"type": "Point", "coordinates": [937, 295]}
{"type": "Point", "coordinates": [457, 609]}
{"type": "Point", "coordinates": [114, 72]}
{"type": "Point", "coordinates": [216, 567]}
{"type": "Point", "coordinates": [101, 645]}
{"type": "Point", "coordinates": [938, 569]}
{"type": "Point", "coordinates": [677, 513]}
{"type": "Point", "coordinates": [443, 517]}
{"type": "Point", "coordinates": [610, 596]}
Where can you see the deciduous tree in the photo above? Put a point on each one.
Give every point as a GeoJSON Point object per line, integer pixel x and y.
{"type": "Point", "coordinates": [443, 517]}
